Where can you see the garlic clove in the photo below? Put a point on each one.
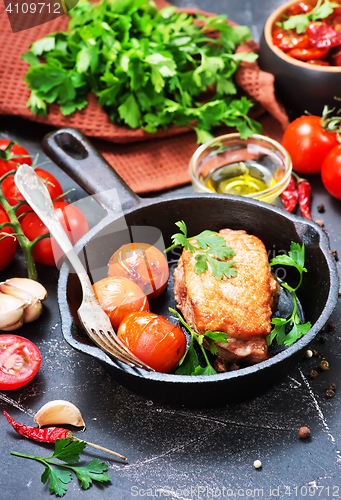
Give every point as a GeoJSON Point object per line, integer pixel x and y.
{"type": "Point", "coordinates": [59, 412]}
{"type": "Point", "coordinates": [11, 312]}
{"type": "Point", "coordinates": [23, 288]}
{"type": "Point", "coordinates": [32, 311]}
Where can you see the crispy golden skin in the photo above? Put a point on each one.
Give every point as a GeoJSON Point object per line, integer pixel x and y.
{"type": "Point", "coordinates": [239, 306]}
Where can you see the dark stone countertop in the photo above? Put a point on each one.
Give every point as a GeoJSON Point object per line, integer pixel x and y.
{"type": "Point", "coordinates": [179, 453]}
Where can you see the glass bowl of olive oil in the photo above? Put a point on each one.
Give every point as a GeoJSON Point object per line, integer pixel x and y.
{"type": "Point", "coordinates": [257, 167]}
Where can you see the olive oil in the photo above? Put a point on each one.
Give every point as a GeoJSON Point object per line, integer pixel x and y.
{"type": "Point", "coordinates": [240, 178]}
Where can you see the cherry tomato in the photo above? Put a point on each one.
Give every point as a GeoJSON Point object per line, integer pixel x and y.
{"type": "Point", "coordinates": [47, 251]}
{"type": "Point", "coordinates": [142, 263]}
{"type": "Point", "coordinates": [6, 161]}
{"type": "Point", "coordinates": [337, 58]}
{"type": "Point", "coordinates": [308, 54]}
{"type": "Point", "coordinates": [119, 297]}
{"type": "Point", "coordinates": [299, 8]}
{"type": "Point", "coordinates": [308, 144]}
{"type": "Point", "coordinates": [13, 195]}
{"type": "Point", "coordinates": [153, 339]}
{"type": "Point", "coordinates": [331, 172]}
{"type": "Point", "coordinates": [289, 39]}
{"type": "Point", "coordinates": [20, 361]}
{"type": "Point", "coordinates": [8, 245]}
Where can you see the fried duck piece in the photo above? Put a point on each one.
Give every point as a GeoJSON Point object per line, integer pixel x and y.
{"type": "Point", "coordinates": [240, 306]}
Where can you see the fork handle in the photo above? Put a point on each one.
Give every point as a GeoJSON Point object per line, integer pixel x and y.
{"type": "Point", "coordinates": [36, 194]}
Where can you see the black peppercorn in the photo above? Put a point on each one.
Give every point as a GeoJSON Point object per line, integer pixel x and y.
{"type": "Point", "coordinates": [324, 365]}
{"type": "Point", "coordinates": [313, 373]}
{"type": "Point", "coordinates": [332, 386]}
{"type": "Point", "coordinates": [330, 393]}
{"type": "Point", "coordinates": [330, 326]}
{"type": "Point", "coordinates": [335, 255]}
{"type": "Point", "coordinates": [320, 208]}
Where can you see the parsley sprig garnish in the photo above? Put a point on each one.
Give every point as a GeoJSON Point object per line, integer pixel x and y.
{"type": "Point", "coordinates": [300, 22]}
{"type": "Point", "coordinates": [68, 452]}
{"type": "Point", "coordinates": [210, 249]}
{"type": "Point", "coordinates": [295, 258]}
{"type": "Point", "coordinates": [189, 363]}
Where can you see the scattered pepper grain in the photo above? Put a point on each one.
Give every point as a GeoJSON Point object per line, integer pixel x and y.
{"type": "Point", "coordinates": [320, 208]}
{"type": "Point", "coordinates": [317, 354]}
{"type": "Point", "coordinates": [330, 393]}
{"type": "Point", "coordinates": [322, 339]}
{"type": "Point", "coordinates": [313, 373]}
{"type": "Point", "coordinates": [335, 255]}
{"type": "Point", "coordinates": [332, 386]}
{"type": "Point", "coordinates": [330, 326]}
{"type": "Point", "coordinates": [257, 464]}
{"type": "Point", "coordinates": [324, 365]}
{"type": "Point", "coordinates": [304, 432]}
{"type": "Point", "coordinates": [320, 222]}
{"type": "Point", "coordinates": [309, 353]}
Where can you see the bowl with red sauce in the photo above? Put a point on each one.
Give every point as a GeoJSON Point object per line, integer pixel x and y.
{"type": "Point", "coordinates": [301, 47]}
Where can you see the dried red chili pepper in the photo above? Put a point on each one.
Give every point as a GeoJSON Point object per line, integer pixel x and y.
{"type": "Point", "coordinates": [48, 435]}
{"type": "Point", "coordinates": [289, 196]}
{"type": "Point", "coordinates": [321, 35]}
{"type": "Point", "coordinates": [51, 434]}
{"type": "Point", "coordinates": [304, 192]}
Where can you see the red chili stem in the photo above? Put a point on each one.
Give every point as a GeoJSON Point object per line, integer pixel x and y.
{"type": "Point", "coordinates": [289, 196]}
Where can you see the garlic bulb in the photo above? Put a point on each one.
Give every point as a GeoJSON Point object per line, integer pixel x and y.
{"type": "Point", "coordinates": [29, 293]}
{"type": "Point", "coordinates": [59, 412]}
{"type": "Point", "coordinates": [11, 312]}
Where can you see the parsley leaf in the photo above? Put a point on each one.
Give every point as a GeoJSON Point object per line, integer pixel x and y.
{"type": "Point", "coordinates": [148, 68]}
{"type": "Point", "coordinates": [68, 451]}
{"type": "Point", "coordinates": [300, 22]}
{"type": "Point", "coordinates": [189, 363]}
{"type": "Point", "coordinates": [288, 330]}
{"type": "Point", "coordinates": [211, 249]}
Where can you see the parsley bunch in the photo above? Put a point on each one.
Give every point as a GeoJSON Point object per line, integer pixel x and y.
{"type": "Point", "coordinates": [300, 22]}
{"type": "Point", "coordinates": [148, 68]}
{"type": "Point", "coordinates": [211, 249]}
{"type": "Point", "coordinates": [189, 363]}
{"type": "Point", "coordinates": [297, 329]}
{"type": "Point", "coordinates": [68, 451]}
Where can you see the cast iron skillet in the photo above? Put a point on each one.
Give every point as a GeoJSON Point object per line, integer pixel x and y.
{"type": "Point", "coordinates": [145, 218]}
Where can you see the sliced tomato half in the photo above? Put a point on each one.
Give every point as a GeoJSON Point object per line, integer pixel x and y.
{"type": "Point", "coordinates": [20, 361]}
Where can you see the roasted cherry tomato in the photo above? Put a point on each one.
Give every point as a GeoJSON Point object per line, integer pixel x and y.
{"type": "Point", "coordinates": [119, 297]}
{"type": "Point", "coordinates": [13, 195]}
{"type": "Point", "coordinates": [308, 143]}
{"type": "Point", "coordinates": [337, 58]}
{"type": "Point", "coordinates": [7, 162]}
{"type": "Point", "coordinates": [20, 361]}
{"type": "Point", "coordinates": [142, 263]}
{"type": "Point", "coordinates": [331, 172]}
{"type": "Point", "coordinates": [153, 339]}
{"type": "Point", "coordinates": [8, 245]}
{"type": "Point", "coordinates": [47, 251]}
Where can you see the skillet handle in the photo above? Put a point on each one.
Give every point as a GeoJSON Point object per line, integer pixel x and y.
{"type": "Point", "coordinates": [72, 152]}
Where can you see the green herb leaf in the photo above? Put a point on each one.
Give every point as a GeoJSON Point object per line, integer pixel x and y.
{"type": "Point", "coordinates": [68, 451]}
{"type": "Point", "coordinates": [148, 68]}
{"type": "Point", "coordinates": [300, 22]}
{"type": "Point", "coordinates": [295, 258]}
{"type": "Point", "coordinates": [211, 249]}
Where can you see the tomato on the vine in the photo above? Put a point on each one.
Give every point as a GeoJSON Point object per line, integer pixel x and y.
{"type": "Point", "coordinates": [20, 361]}
{"type": "Point", "coordinates": [331, 172]}
{"type": "Point", "coordinates": [8, 244]}
{"type": "Point", "coordinates": [308, 143]}
{"type": "Point", "coordinates": [7, 162]}
{"type": "Point", "coordinates": [153, 339]}
{"type": "Point", "coordinates": [13, 195]}
{"type": "Point", "coordinates": [47, 251]}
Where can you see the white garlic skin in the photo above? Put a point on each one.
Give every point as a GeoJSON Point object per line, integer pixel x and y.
{"type": "Point", "coordinates": [59, 412]}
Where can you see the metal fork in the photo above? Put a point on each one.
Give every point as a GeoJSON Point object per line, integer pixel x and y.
{"type": "Point", "coordinates": [92, 317]}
